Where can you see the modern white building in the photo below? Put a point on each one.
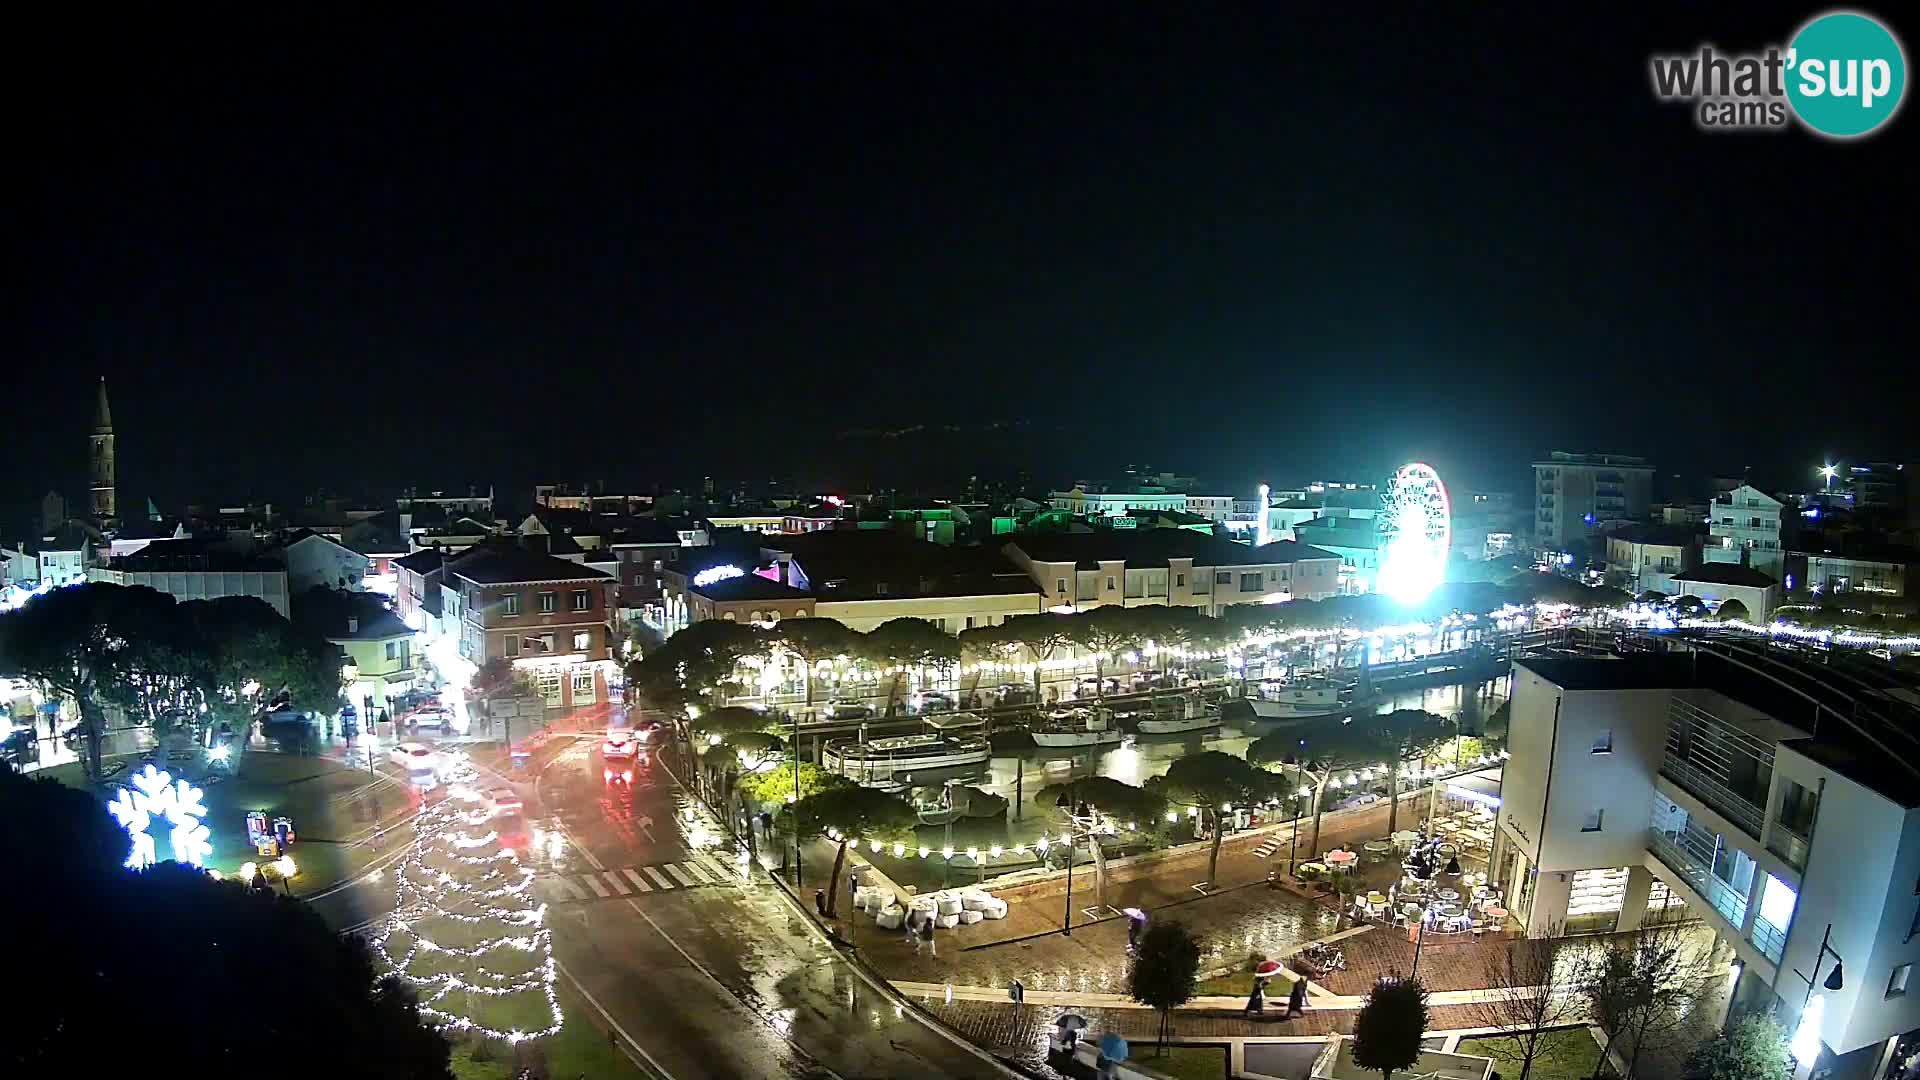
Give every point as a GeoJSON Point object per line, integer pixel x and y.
{"type": "Point", "coordinates": [200, 570]}
{"type": "Point", "coordinates": [1744, 527]}
{"type": "Point", "coordinates": [1715, 583]}
{"type": "Point", "coordinates": [316, 561]}
{"type": "Point", "coordinates": [1779, 802]}
{"type": "Point", "coordinates": [1081, 571]}
{"type": "Point", "coordinates": [1116, 503]}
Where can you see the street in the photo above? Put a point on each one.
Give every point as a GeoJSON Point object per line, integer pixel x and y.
{"type": "Point", "coordinates": [701, 973]}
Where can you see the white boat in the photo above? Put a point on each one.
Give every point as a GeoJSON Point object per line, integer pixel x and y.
{"type": "Point", "coordinates": [1304, 698]}
{"type": "Point", "coordinates": [1191, 714]}
{"type": "Point", "coordinates": [950, 743]}
{"type": "Point", "coordinates": [1075, 727]}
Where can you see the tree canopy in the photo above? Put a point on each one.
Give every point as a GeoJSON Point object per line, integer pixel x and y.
{"type": "Point", "coordinates": [1389, 1027]}
{"type": "Point", "coordinates": [151, 962]}
{"type": "Point", "coordinates": [1115, 798]}
{"type": "Point", "coordinates": [1166, 968]}
{"type": "Point", "coordinates": [1753, 1047]}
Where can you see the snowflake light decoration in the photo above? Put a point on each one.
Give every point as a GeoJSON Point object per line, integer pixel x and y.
{"type": "Point", "coordinates": [156, 794]}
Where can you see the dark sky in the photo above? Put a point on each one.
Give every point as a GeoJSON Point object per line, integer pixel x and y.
{"type": "Point", "coordinates": [1253, 242]}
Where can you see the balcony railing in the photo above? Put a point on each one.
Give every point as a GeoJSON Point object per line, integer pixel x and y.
{"type": "Point", "coordinates": [1789, 845]}
{"type": "Point", "coordinates": [1724, 800]}
{"type": "Point", "coordinates": [1730, 903]}
{"type": "Point", "coordinates": [1771, 940]}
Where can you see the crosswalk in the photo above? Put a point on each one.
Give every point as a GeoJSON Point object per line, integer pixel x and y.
{"type": "Point", "coordinates": [699, 871]}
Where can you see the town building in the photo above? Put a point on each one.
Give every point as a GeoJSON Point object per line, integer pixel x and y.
{"type": "Point", "coordinates": [1744, 528]}
{"type": "Point", "coordinates": [1740, 785]}
{"type": "Point", "coordinates": [449, 504]}
{"type": "Point", "coordinates": [1717, 583]}
{"type": "Point", "coordinates": [866, 578]}
{"type": "Point", "coordinates": [547, 615]}
{"type": "Point", "coordinates": [1082, 503]}
{"type": "Point", "coordinates": [316, 561]}
{"type": "Point", "coordinates": [1881, 571]}
{"type": "Point", "coordinates": [1355, 539]}
{"type": "Point", "coordinates": [1644, 558]}
{"type": "Point", "coordinates": [1081, 571]}
{"type": "Point", "coordinates": [197, 569]}
{"type": "Point", "coordinates": [1212, 507]}
{"type": "Point", "coordinates": [1581, 495]}
{"type": "Point", "coordinates": [381, 661]}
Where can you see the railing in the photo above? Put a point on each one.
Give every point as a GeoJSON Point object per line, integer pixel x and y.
{"type": "Point", "coordinates": [1732, 905]}
{"type": "Point", "coordinates": [1771, 940]}
{"type": "Point", "coordinates": [1722, 799]}
{"type": "Point", "coordinates": [1789, 845]}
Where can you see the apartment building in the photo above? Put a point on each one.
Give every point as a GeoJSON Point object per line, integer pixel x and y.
{"type": "Point", "coordinates": [200, 570]}
{"type": "Point", "coordinates": [1083, 503]}
{"type": "Point", "coordinates": [548, 615]}
{"type": "Point", "coordinates": [1744, 527]}
{"type": "Point", "coordinates": [1081, 571]}
{"type": "Point", "coordinates": [1580, 495]}
{"type": "Point", "coordinates": [1769, 797]}
{"type": "Point", "coordinates": [1645, 558]}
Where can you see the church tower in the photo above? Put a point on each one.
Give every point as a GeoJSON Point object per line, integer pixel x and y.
{"type": "Point", "coordinates": [101, 460]}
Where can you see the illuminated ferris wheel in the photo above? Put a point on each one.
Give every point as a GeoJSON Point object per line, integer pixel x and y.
{"type": "Point", "coordinates": [1416, 527]}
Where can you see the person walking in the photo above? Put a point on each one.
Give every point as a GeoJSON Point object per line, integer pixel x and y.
{"type": "Point", "coordinates": [913, 934]}
{"type": "Point", "coordinates": [926, 931]}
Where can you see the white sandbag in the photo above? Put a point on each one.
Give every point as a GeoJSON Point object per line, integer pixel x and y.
{"type": "Point", "coordinates": [889, 918]}
{"type": "Point", "coordinates": [974, 901]}
{"type": "Point", "coordinates": [968, 918]}
{"type": "Point", "coordinates": [883, 898]}
{"type": "Point", "coordinates": [996, 908]}
{"type": "Point", "coordinates": [949, 905]}
{"type": "Point", "coordinates": [948, 922]}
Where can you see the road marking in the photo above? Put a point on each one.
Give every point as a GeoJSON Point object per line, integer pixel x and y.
{"type": "Point", "coordinates": [656, 876]}
{"type": "Point", "coordinates": [699, 872]}
{"type": "Point", "coordinates": [612, 1023]}
{"type": "Point", "coordinates": [679, 875]}
{"type": "Point", "coordinates": [638, 881]}
{"type": "Point", "coordinates": [614, 880]}
{"type": "Point", "coordinates": [594, 883]}
{"type": "Point", "coordinates": [565, 884]}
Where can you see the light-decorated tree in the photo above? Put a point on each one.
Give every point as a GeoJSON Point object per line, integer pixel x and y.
{"type": "Point", "coordinates": [466, 930]}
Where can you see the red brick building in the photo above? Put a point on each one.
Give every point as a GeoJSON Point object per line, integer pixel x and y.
{"type": "Point", "coordinates": [549, 616]}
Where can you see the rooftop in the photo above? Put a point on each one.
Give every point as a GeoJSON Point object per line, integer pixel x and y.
{"type": "Point", "coordinates": [328, 612]}
{"type": "Point", "coordinates": [424, 561]}
{"type": "Point", "coordinates": [162, 556]}
{"type": "Point", "coordinates": [505, 564]}
{"type": "Point", "coordinates": [1153, 548]}
{"type": "Point", "coordinates": [1728, 574]}
{"type": "Point", "coordinates": [748, 587]}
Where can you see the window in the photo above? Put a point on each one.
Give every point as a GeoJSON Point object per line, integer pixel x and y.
{"type": "Point", "coordinates": [1897, 985]}
{"type": "Point", "coordinates": [393, 651]}
{"type": "Point", "coordinates": [581, 600]}
{"type": "Point", "coordinates": [729, 616]}
{"type": "Point", "coordinates": [1060, 585]}
{"type": "Point", "coordinates": [583, 689]}
{"type": "Point", "coordinates": [1594, 820]}
{"type": "Point", "coordinates": [510, 604]}
{"type": "Point", "coordinates": [969, 622]}
{"type": "Point", "coordinates": [1109, 584]}
{"type": "Point", "coordinates": [1180, 580]}
{"type": "Point", "coordinates": [1222, 577]}
{"type": "Point", "coordinates": [513, 645]}
{"type": "Point", "coordinates": [547, 603]}
{"type": "Point", "coordinates": [1251, 582]}
{"type": "Point", "coordinates": [547, 683]}
{"type": "Point", "coordinates": [1603, 742]}
{"type": "Point", "coordinates": [582, 640]}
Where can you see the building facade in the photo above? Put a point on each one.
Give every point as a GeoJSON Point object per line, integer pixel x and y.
{"type": "Point", "coordinates": [1883, 576]}
{"type": "Point", "coordinates": [1580, 495]}
{"type": "Point", "coordinates": [1645, 558]}
{"type": "Point", "coordinates": [1717, 583]}
{"type": "Point", "coordinates": [200, 570]}
{"type": "Point", "coordinates": [1744, 527]}
{"type": "Point", "coordinates": [549, 616]}
{"type": "Point", "coordinates": [1174, 567]}
{"type": "Point", "coordinates": [1742, 788]}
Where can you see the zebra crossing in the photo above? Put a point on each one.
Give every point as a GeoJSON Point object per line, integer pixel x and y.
{"type": "Point", "coordinates": [699, 871]}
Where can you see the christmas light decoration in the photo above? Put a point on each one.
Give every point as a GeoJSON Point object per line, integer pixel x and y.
{"type": "Point", "coordinates": [156, 794]}
{"type": "Point", "coordinates": [465, 930]}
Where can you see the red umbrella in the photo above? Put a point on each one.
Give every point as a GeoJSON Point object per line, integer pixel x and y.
{"type": "Point", "coordinates": [1267, 968]}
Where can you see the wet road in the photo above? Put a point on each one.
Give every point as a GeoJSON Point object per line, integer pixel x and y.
{"type": "Point", "coordinates": [707, 974]}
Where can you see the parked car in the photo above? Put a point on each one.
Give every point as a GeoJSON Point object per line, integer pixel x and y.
{"type": "Point", "coordinates": [420, 762]}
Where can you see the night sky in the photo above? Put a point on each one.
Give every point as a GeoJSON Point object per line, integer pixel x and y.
{"type": "Point", "coordinates": [1253, 243]}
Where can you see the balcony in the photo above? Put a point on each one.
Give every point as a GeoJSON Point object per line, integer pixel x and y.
{"type": "Point", "coordinates": [1718, 763]}
{"type": "Point", "coordinates": [1691, 854]}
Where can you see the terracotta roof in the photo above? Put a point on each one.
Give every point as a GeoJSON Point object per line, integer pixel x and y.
{"type": "Point", "coordinates": [500, 564]}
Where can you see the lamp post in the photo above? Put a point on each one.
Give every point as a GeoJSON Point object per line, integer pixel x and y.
{"type": "Point", "coordinates": [1805, 1045]}
{"type": "Point", "coordinates": [1293, 843]}
{"type": "Point", "coordinates": [1834, 979]}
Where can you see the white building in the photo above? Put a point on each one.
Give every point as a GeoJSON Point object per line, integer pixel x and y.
{"type": "Point", "coordinates": [1715, 583]}
{"type": "Point", "coordinates": [1216, 508]}
{"type": "Point", "coordinates": [1885, 575]}
{"type": "Point", "coordinates": [314, 561]}
{"type": "Point", "coordinates": [200, 570]}
{"type": "Point", "coordinates": [1177, 567]}
{"type": "Point", "coordinates": [1744, 527]}
{"type": "Point", "coordinates": [1772, 798]}
{"type": "Point", "coordinates": [1116, 503]}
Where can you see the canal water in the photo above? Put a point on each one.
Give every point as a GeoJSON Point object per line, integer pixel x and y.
{"type": "Point", "coordinates": [1024, 773]}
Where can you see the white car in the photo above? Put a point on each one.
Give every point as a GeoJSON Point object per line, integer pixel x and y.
{"type": "Point", "coordinates": [434, 717]}
{"type": "Point", "coordinates": [619, 744]}
{"type": "Point", "coordinates": [421, 763]}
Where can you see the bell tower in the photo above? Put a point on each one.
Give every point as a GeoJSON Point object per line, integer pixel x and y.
{"type": "Point", "coordinates": [100, 460]}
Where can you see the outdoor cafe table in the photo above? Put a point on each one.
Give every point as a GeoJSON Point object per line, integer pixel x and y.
{"type": "Point", "coordinates": [1308, 869]}
{"type": "Point", "coordinates": [1448, 895]}
{"type": "Point", "coordinates": [1497, 913]}
{"type": "Point", "coordinates": [1342, 860]}
{"type": "Point", "coordinates": [1377, 849]}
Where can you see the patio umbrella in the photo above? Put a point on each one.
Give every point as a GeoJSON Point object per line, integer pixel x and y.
{"type": "Point", "coordinates": [1071, 1022]}
{"type": "Point", "coordinates": [1113, 1047]}
{"type": "Point", "coordinates": [1267, 969]}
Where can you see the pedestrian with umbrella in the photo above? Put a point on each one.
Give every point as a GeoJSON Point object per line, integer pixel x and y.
{"type": "Point", "coordinates": [1066, 1030]}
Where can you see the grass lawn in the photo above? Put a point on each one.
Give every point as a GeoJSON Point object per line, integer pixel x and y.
{"type": "Point", "coordinates": [1567, 1054]}
{"type": "Point", "coordinates": [580, 1049]}
{"type": "Point", "coordinates": [1182, 1062]}
{"type": "Point", "coordinates": [1240, 983]}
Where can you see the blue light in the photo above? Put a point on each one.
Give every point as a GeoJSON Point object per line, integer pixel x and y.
{"type": "Point", "coordinates": [1588, 519]}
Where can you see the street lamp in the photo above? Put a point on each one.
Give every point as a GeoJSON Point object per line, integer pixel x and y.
{"type": "Point", "coordinates": [1828, 472]}
{"type": "Point", "coordinates": [1805, 1046]}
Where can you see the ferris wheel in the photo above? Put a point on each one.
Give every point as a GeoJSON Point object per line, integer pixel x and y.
{"type": "Point", "coordinates": [1416, 527]}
